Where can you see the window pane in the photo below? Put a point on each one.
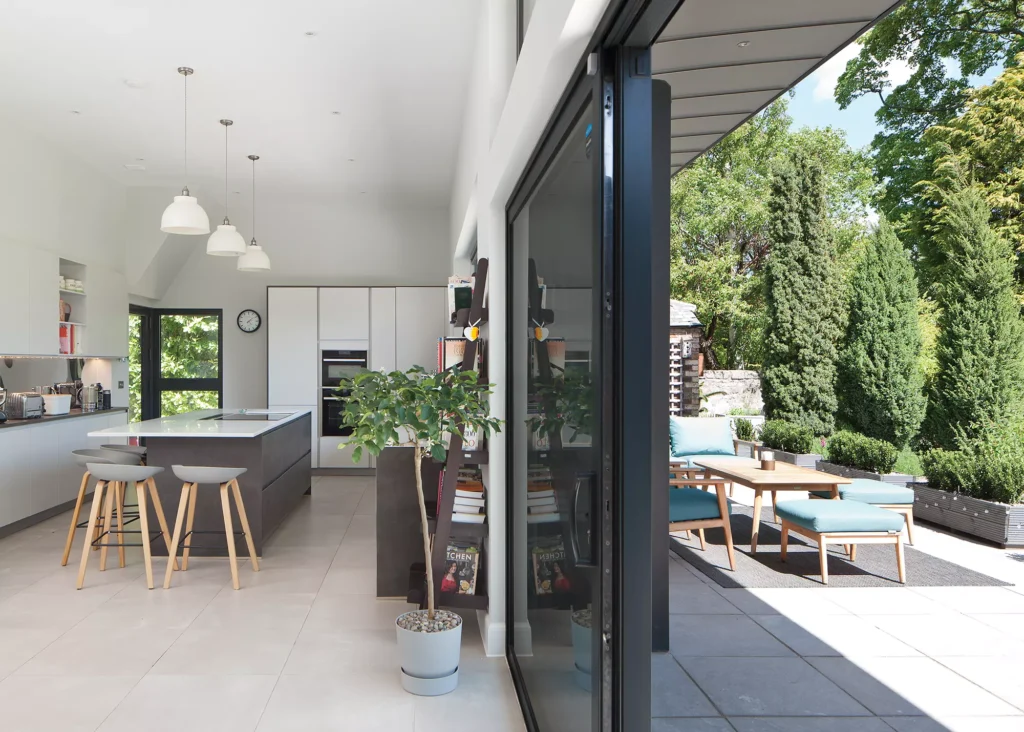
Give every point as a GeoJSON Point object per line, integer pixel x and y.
{"type": "Point", "coordinates": [179, 402]}
{"type": "Point", "coordinates": [188, 346]}
{"type": "Point", "coordinates": [134, 368]}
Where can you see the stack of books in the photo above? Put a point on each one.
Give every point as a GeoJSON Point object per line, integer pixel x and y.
{"type": "Point", "coordinates": [470, 502]}
{"type": "Point", "coordinates": [541, 505]}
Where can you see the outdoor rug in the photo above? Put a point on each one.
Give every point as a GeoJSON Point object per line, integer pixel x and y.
{"type": "Point", "coordinates": [875, 565]}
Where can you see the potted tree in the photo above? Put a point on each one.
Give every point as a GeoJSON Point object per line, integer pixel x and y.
{"type": "Point", "coordinates": [416, 409]}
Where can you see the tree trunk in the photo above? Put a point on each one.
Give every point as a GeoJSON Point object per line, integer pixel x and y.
{"type": "Point", "coordinates": [425, 527]}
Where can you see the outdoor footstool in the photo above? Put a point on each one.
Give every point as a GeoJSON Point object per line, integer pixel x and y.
{"type": "Point", "coordinates": [878, 493]}
{"type": "Point", "coordinates": [694, 509]}
{"type": "Point", "coordinates": [841, 522]}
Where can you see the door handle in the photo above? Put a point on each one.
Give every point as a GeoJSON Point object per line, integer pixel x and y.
{"type": "Point", "coordinates": [579, 558]}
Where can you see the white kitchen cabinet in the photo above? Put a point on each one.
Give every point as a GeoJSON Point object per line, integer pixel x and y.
{"type": "Point", "coordinates": [314, 438]}
{"type": "Point", "coordinates": [15, 296]}
{"type": "Point", "coordinates": [106, 331]}
{"type": "Point", "coordinates": [332, 457]}
{"type": "Point", "coordinates": [344, 313]}
{"type": "Point", "coordinates": [44, 297]}
{"type": "Point", "coordinates": [382, 328]}
{"type": "Point", "coordinates": [293, 358]}
{"type": "Point", "coordinates": [419, 322]}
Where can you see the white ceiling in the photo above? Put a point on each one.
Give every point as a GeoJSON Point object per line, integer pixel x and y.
{"type": "Point", "coordinates": [397, 71]}
{"type": "Point", "coordinates": [717, 84]}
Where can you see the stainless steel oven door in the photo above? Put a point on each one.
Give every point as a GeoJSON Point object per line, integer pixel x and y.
{"type": "Point", "coordinates": [332, 409]}
{"type": "Point", "coordinates": [338, 365]}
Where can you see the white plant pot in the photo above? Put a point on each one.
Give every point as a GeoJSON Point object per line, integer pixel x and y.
{"type": "Point", "coordinates": [430, 661]}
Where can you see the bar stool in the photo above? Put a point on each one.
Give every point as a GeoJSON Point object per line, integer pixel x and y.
{"type": "Point", "coordinates": [83, 457]}
{"type": "Point", "coordinates": [227, 478]}
{"type": "Point", "coordinates": [118, 476]}
{"type": "Point", "coordinates": [131, 449]}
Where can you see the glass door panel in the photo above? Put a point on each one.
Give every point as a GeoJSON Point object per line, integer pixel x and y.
{"type": "Point", "coordinates": [555, 430]}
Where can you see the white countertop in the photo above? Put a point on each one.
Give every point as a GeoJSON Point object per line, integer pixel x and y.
{"type": "Point", "coordinates": [193, 424]}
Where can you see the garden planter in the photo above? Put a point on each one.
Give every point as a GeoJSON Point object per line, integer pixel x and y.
{"type": "Point", "coordinates": [430, 661]}
{"type": "Point", "coordinates": [900, 479]}
{"type": "Point", "coordinates": [582, 647]}
{"type": "Point", "coordinates": [802, 459]}
{"type": "Point", "coordinates": [1000, 523]}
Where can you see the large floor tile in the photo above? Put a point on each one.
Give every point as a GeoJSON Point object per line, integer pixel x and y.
{"type": "Point", "coordinates": [911, 686]}
{"type": "Point", "coordinates": [809, 724]}
{"type": "Point", "coordinates": [770, 687]}
{"type": "Point", "coordinates": [194, 703]}
{"type": "Point", "coordinates": [948, 635]}
{"type": "Point", "coordinates": [228, 652]}
{"type": "Point", "coordinates": [999, 676]}
{"type": "Point", "coordinates": [355, 612]}
{"type": "Point", "coordinates": [368, 702]}
{"type": "Point", "coordinates": [797, 601]}
{"type": "Point", "coordinates": [343, 650]}
{"type": "Point", "coordinates": [956, 724]}
{"type": "Point", "coordinates": [975, 599]}
{"type": "Point", "coordinates": [60, 703]}
{"type": "Point", "coordinates": [698, 599]}
{"type": "Point", "coordinates": [479, 696]}
{"type": "Point", "coordinates": [833, 635]}
{"type": "Point", "coordinates": [882, 601]}
{"type": "Point", "coordinates": [721, 635]}
{"type": "Point", "coordinates": [94, 648]}
{"type": "Point", "coordinates": [673, 693]}
{"type": "Point", "coordinates": [702, 724]}
{"type": "Point", "coordinates": [1012, 624]}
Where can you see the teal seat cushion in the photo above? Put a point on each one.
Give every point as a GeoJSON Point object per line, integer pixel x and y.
{"type": "Point", "coordinates": [700, 436]}
{"type": "Point", "coordinates": [876, 492]}
{"type": "Point", "coordinates": [692, 504]}
{"type": "Point", "coordinates": [830, 517]}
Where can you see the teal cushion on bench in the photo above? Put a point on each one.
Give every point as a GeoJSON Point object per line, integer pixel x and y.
{"type": "Point", "coordinates": [700, 436]}
{"type": "Point", "coordinates": [692, 504]}
{"type": "Point", "coordinates": [877, 492]}
{"type": "Point", "coordinates": [830, 517]}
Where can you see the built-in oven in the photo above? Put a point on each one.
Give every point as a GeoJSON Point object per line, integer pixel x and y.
{"type": "Point", "coordinates": [337, 365]}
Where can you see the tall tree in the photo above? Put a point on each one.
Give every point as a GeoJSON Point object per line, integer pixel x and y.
{"type": "Point", "coordinates": [880, 385]}
{"type": "Point", "coordinates": [720, 224]}
{"type": "Point", "coordinates": [804, 303]}
{"type": "Point", "coordinates": [980, 349]}
{"type": "Point", "coordinates": [946, 44]}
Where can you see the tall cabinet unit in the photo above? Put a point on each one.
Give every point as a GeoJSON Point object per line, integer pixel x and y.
{"type": "Point", "coordinates": [293, 379]}
{"type": "Point", "coordinates": [420, 321]}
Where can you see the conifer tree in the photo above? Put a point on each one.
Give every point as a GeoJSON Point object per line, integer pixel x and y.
{"type": "Point", "coordinates": [804, 296]}
{"type": "Point", "coordinates": [880, 386]}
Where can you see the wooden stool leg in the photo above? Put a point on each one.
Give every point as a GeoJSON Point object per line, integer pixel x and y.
{"type": "Point", "coordinates": [785, 541]}
{"type": "Point", "coordinates": [909, 518]}
{"type": "Point", "coordinates": [823, 559]}
{"type": "Point", "coordinates": [94, 514]}
{"type": "Point", "coordinates": [161, 518]}
{"type": "Point", "coordinates": [173, 551]}
{"type": "Point", "coordinates": [703, 544]}
{"type": "Point", "coordinates": [147, 555]}
{"type": "Point", "coordinates": [74, 519]}
{"type": "Point", "coordinates": [192, 495]}
{"type": "Point", "coordinates": [900, 566]}
{"type": "Point", "coordinates": [755, 529]}
{"type": "Point", "coordinates": [108, 522]}
{"type": "Point", "coordinates": [119, 490]}
{"type": "Point", "coordinates": [237, 492]}
{"type": "Point", "coordinates": [229, 533]}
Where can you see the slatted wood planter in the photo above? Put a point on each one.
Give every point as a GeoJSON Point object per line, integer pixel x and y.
{"type": "Point", "coordinates": [999, 523]}
{"type": "Point", "coordinates": [900, 479]}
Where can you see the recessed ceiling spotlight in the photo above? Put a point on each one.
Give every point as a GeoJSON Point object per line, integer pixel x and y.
{"type": "Point", "coordinates": [336, 112]}
{"type": "Point", "coordinates": [134, 166]}
{"type": "Point", "coordinates": [310, 33]}
{"type": "Point", "coordinates": [133, 83]}
{"type": "Point", "coordinates": [75, 111]}
{"type": "Point", "coordinates": [743, 44]}
{"type": "Point", "coordinates": [140, 159]}
{"type": "Point", "coordinates": [351, 160]}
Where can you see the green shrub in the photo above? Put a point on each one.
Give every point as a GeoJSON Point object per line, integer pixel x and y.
{"type": "Point", "coordinates": [991, 468]}
{"type": "Point", "coordinates": [744, 429]}
{"type": "Point", "coordinates": [864, 453]}
{"type": "Point", "coordinates": [783, 435]}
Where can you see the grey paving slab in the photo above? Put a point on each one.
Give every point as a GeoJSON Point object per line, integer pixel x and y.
{"type": "Point", "coordinates": [721, 635]}
{"type": "Point", "coordinates": [691, 724]}
{"type": "Point", "coordinates": [809, 724]}
{"type": "Point", "coordinates": [956, 724]}
{"type": "Point", "coordinates": [793, 602]}
{"type": "Point", "coordinates": [975, 599]}
{"type": "Point", "coordinates": [999, 676]}
{"type": "Point", "coordinates": [698, 599]}
{"type": "Point", "coordinates": [948, 635]}
{"type": "Point", "coordinates": [673, 693]}
{"type": "Point", "coordinates": [833, 635]}
{"type": "Point", "coordinates": [770, 687]}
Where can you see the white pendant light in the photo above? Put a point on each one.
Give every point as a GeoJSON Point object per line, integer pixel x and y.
{"type": "Point", "coordinates": [226, 241]}
{"type": "Point", "coordinates": [254, 259]}
{"type": "Point", "coordinates": [185, 215]}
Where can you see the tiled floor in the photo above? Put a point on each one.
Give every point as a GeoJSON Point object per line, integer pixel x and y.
{"type": "Point", "coordinates": [304, 646]}
{"type": "Point", "coordinates": [846, 659]}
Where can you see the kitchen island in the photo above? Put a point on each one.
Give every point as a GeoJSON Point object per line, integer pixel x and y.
{"type": "Point", "coordinates": [273, 447]}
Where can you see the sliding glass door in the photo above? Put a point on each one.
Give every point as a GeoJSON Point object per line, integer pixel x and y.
{"type": "Point", "coordinates": [175, 361]}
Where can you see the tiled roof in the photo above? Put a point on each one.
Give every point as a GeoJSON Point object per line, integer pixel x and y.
{"type": "Point", "coordinates": [683, 315]}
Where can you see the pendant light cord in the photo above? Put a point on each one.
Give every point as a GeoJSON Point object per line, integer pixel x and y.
{"type": "Point", "coordinates": [254, 201]}
{"type": "Point", "coordinates": [226, 172]}
{"type": "Point", "coordinates": [186, 130]}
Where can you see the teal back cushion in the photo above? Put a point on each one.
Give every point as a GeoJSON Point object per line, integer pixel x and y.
{"type": "Point", "coordinates": [700, 436]}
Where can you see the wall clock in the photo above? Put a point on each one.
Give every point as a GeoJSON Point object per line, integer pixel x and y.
{"type": "Point", "coordinates": [249, 321]}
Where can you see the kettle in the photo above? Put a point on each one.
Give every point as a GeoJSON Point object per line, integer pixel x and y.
{"type": "Point", "coordinates": [90, 398]}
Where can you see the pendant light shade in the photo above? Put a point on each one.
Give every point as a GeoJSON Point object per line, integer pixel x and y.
{"type": "Point", "coordinates": [254, 259]}
{"type": "Point", "coordinates": [185, 215]}
{"type": "Point", "coordinates": [226, 241]}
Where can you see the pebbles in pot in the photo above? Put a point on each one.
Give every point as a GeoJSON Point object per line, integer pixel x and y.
{"type": "Point", "coordinates": [418, 622]}
{"type": "Point", "coordinates": [583, 618]}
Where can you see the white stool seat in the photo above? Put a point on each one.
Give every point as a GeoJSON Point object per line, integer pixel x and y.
{"type": "Point", "coordinates": [205, 475]}
{"type": "Point", "coordinates": [84, 457]}
{"type": "Point", "coordinates": [134, 449]}
{"type": "Point", "coordinates": [123, 473]}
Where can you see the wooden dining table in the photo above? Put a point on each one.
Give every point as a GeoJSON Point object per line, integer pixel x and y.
{"type": "Point", "coordinates": [784, 477]}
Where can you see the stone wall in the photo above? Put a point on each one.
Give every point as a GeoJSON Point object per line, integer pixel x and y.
{"type": "Point", "coordinates": [727, 390]}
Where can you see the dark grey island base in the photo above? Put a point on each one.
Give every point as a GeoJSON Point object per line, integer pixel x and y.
{"type": "Point", "coordinates": [277, 477]}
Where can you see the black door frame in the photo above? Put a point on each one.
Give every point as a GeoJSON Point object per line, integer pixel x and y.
{"type": "Point", "coordinates": [153, 384]}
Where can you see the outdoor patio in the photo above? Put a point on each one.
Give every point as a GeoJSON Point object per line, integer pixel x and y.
{"type": "Point", "coordinates": [845, 659]}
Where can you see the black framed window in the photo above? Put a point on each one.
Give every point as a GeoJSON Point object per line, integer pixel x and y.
{"type": "Point", "coordinates": [175, 361]}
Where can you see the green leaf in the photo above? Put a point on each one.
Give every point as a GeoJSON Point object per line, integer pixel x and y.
{"type": "Point", "coordinates": [438, 452]}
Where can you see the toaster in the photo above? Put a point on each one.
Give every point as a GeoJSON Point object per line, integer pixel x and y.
{"type": "Point", "coordinates": [24, 405]}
